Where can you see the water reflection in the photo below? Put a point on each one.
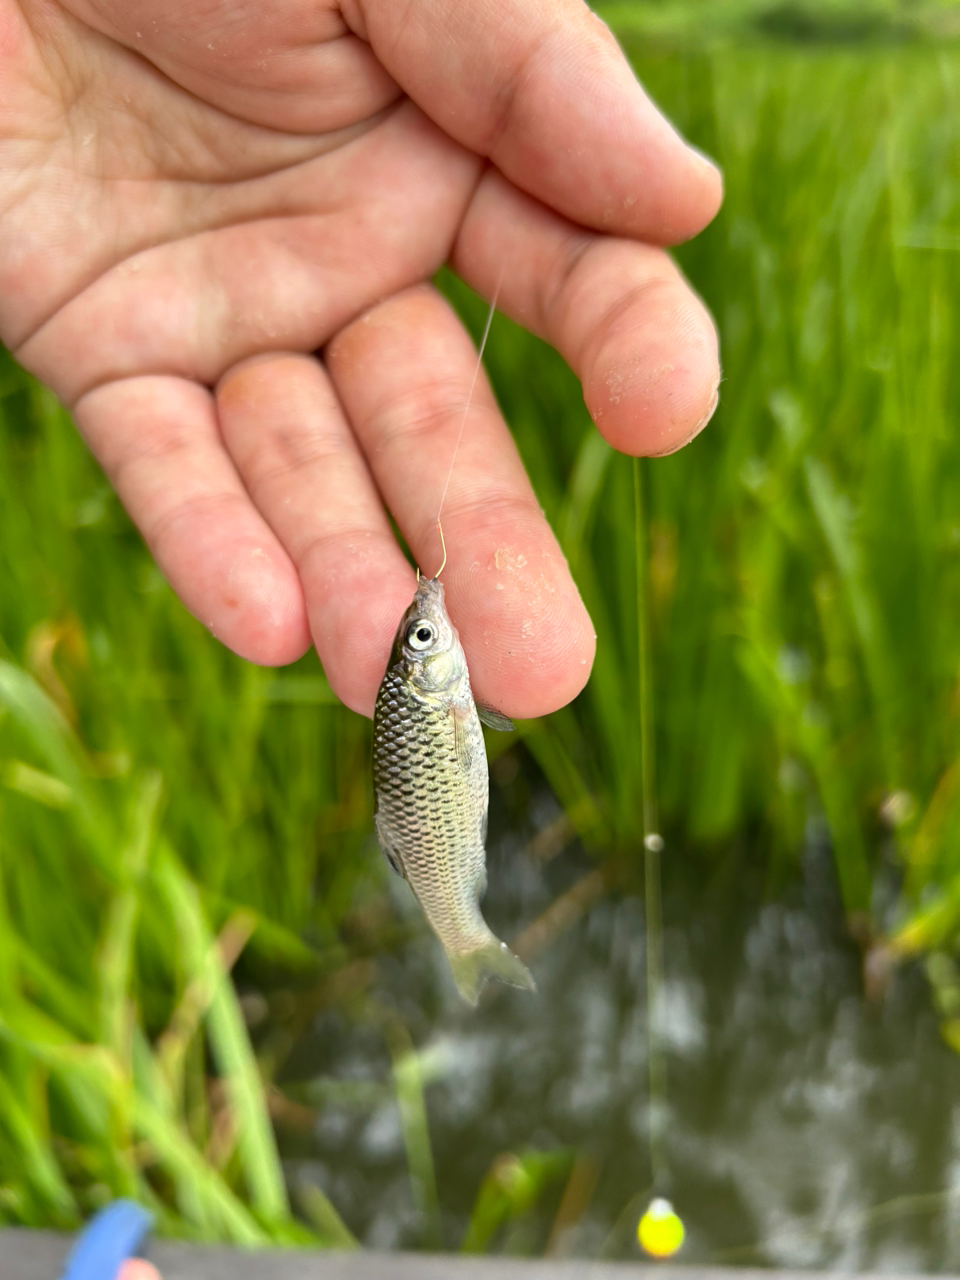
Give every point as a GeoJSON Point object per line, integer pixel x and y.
{"type": "Point", "coordinates": [806, 1127]}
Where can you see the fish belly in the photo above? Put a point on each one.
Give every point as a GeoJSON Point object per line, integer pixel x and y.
{"type": "Point", "coordinates": [432, 791]}
{"type": "Point", "coordinates": [431, 807]}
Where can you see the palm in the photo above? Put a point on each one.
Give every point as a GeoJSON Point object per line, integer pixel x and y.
{"type": "Point", "coordinates": [202, 201]}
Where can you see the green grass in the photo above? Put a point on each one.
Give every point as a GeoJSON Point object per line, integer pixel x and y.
{"type": "Point", "coordinates": [688, 23]}
{"type": "Point", "coordinates": [155, 792]}
{"type": "Point", "coordinates": [804, 568]}
{"type": "Point", "coordinates": [167, 811]}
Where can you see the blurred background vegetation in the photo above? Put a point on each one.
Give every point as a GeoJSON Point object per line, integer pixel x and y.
{"type": "Point", "coordinates": [169, 814]}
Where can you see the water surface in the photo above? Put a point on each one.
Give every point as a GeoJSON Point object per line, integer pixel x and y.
{"type": "Point", "coordinates": [807, 1126]}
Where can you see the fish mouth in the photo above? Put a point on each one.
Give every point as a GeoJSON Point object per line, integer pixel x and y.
{"type": "Point", "coordinates": [429, 592]}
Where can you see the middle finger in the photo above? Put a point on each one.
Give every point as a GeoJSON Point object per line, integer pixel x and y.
{"type": "Point", "coordinates": [403, 373]}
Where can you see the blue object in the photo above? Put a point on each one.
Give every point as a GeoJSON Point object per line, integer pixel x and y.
{"type": "Point", "coordinates": [112, 1237]}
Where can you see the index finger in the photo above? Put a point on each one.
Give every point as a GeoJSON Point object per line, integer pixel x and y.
{"type": "Point", "coordinates": [544, 91]}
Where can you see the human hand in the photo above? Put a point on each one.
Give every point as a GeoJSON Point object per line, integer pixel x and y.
{"type": "Point", "coordinates": [196, 198]}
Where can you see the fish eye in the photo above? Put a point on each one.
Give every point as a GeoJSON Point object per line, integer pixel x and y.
{"type": "Point", "coordinates": [421, 634]}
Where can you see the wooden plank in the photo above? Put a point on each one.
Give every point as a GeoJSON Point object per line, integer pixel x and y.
{"type": "Point", "coordinates": [40, 1255]}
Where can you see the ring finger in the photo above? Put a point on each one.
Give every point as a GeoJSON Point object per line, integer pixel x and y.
{"type": "Point", "coordinates": [284, 427]}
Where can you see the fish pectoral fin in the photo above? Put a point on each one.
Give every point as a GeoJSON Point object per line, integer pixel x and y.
{"type": "Point", "coordinates": [494, 719]}
{"type": "Point", "coordinates": [388, 849]}
{"type": "Point", "coordinates": [461, 738]}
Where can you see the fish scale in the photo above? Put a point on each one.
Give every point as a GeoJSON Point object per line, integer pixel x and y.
{"type": "Point", "coordinates": [415, 747]}
{"type": "Point", "coordinates": [432, 789]}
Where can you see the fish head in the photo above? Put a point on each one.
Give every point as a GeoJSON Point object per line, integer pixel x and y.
{"type": "Point", "coordinates": [427, 646]}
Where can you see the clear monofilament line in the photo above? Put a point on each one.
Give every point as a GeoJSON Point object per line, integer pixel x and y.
{"type": "Point", "coordinates": [463, 420]}
{"type": "Point", "coordinates": [652, 846]}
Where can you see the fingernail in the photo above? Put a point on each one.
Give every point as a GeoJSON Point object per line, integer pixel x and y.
{"type": "Point", "coordinates": [714, 401]}
{"type": "Point", "coordinates": [707, 161]}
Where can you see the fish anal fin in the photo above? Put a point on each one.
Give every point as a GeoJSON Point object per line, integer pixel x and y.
{"type": "Point", "coordinates": [492, 960]}
{"type": "Point", "coordinates": [494, 719]}
{"type": "Point", "coordinates": [388, 849]}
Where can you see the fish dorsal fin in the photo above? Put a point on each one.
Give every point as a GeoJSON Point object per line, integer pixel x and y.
{"type": "Point", "coordinates": [494, 719]}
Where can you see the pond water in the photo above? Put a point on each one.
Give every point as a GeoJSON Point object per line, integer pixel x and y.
{"type": "Point", "coordinates": [806, 1127]}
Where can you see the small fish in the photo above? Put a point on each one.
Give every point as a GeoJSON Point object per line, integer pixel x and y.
{"type": "Point", "coordinates": [432, 789]}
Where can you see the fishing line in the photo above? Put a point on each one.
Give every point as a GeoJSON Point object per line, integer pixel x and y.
{"type": "Point", "coordinates": [466, 410]}
{"type": "Point", "coordinates": [660, 1230]}
{"type": "Point", "coordinates": [652, 846]}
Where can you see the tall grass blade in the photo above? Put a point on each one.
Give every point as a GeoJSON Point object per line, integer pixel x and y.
{"type": "Point", "coordinates": [409, 1084]}
{"type": "Point", "coordinates": [44, 724]}
{"type": "Point", "coordinates": [35, 1161]}
{"type": "Point", "coordinates": [323, 1217]}
{"type": "Point", "coordinates": [230, 1043]}
{"type": "Point", "coordinates": [116, 961]}
{"type": "Point", "coordinates": [187, 1167]}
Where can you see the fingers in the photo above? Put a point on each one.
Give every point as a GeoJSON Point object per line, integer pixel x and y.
{"type": "Point", "coordinates": [544, 91]}
{"type": "Point", "coordinates": [621, 314]}
{"type": "Point", "coordinates": [158, 441]}
{"type": "Point", "coordinates": [403, 374]}
{"type": "Point", "coordinates": [288, 435]}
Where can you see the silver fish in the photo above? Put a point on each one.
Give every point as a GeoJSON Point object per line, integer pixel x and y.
{"type": "Point", "coordinates": [432, 789]}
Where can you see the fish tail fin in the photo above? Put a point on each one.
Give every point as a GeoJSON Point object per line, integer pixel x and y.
{"type": "Point", "coordinates": [494, 959]}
